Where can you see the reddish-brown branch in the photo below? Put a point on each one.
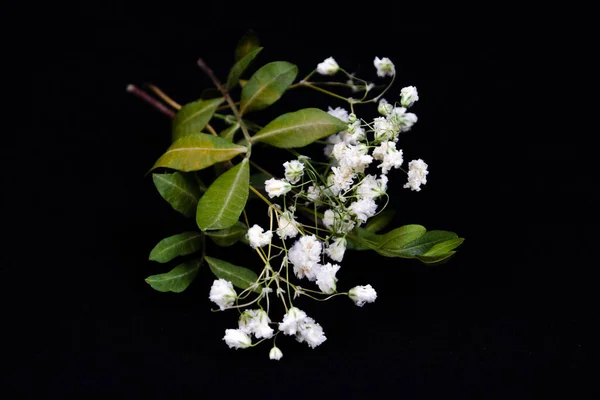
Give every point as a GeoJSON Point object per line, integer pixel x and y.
{"type": "Point", "coordinates": [151, 100]}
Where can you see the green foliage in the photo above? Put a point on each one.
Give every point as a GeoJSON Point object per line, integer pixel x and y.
{"type": "Point", "coordinates": [240, 277]}
{"type": "Point", "coordinates": [228, 236]}
{"type": "Point", "coordinates": [247, 43]}
{"type": "Point", "coordinates": [193, 117]}
{"type": "Point", "coordinates": [176, 280]}
{"type": "Point", "coordinates": [380, 221]}
{"type": "Point", "coordinates": [177, 245]}
{"type": "Point", "coordinates": [229, 133]}
{"type": "Point", "coordinates": [198, 151]}
{"type": "Point", "coordinates": [179, 190]}
{"type": "Point", "coordinates": [239, 68]}
{"type": "Point", "coordinates": [267, 85]}
{"type": "Point", "coordinates": [224, 200]}
{"type": "Point", "coordinates": [299, 128]}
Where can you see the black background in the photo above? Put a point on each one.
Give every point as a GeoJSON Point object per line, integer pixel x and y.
{"type": "Point", "coordinates": [509, 315]}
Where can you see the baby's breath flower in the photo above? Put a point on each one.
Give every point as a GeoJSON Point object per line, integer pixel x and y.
{"type": "Point", "coordinates": [336, 249]}
{"type": "Point", "coordinates": [338, 222]}
{"type": "Point", "coordinates": [339, 113]}
{"type": "Point", "coordinates": [288, 227]}
{"type": "Point", "coordinates": [341, 179]}
{"type": "Point", "coordinates": [277, 187]}
{"type": "Point", "coordinates": [385, 67]}
{"type": "Point", "coordinates": [310, 332]}
{"type": "Point", "coordinates": [222, 293]}
{"type": "Point", "coordinates": [362, 294]}
{"type": "Point", "coordinates": [401, 119]}
{"type": "Point", "coordinates": [293, 170]}
{"type": "Point", "coordinates": [256, 322]}
{"type": "Point", "coordinates": [391, 157]}
{"type": "Point", "coordinates": [305, 255]}
{"type": "Point", "coordinates": [356, 132]}
{"type": "Point", "coordinates": [417, 175]}
{"type": "Point", "coordinates": [384, 107]}
{"type": "Point", "coordinates": [313, 194]}
{"type": "Point", "coordinates": [408, 95]}
{"type": "Point", "coordinates": [326, 279]}
{"type": "Point", "coordinates": [371, 188]}
{"type": "Point", "coordinates": [257, 238]}
{"type": "Point", "coordinates": [363, 209]}
{"type": "Point", "coordinates": [384, 129]}
{"type": "Point", "coordinates": [328, 67]}
{"type": "Point", "coordinates": [291, 319]}
{"type": "Point", "coordinates": [237, 339]}
{"type": "Point", "coordinates": [275, 353]}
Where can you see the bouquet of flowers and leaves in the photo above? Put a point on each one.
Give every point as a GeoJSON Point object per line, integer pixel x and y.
{"type": "Point", "coordinates": [317, 209]}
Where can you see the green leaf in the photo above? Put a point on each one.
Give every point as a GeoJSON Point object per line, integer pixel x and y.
{"type": "Point", "coordinates": [380, 221]}
{"type": "Point", "coordinates": [177, 245]}
{"type": "Point", "coordinates": [224, 200]}
{"type": "Point", "coordinates": [229, 133]}
{"type": "Point", "coordinates": [267, 85]}
{"type": "Point", "coordinates": [434, 260]}
{"type": "Point", "coordinates": [179, 190]}
{"type": "Point", "coordinates": [444, 247]}
{"type": "Point", "coordinates": [228, 236]}
{"type": "Point", "coordinates": [257, 180]}
{"type": "Point", "coordinates": [239, 276]}
{"type": "Point", "coordinates": [421, 245]}
{"type": "Point", "coordinates": [198, 151]}
{"type": "Point", "coordinates": [240, 66]}
{"type": "Point", "coordinates": [193, 117]}
{"type": "Point", "coordinates": [299, 128]}
{"type": "Point", "coordinates": [400, 237]}
{"type": "Point", "coordinates": [247, 43]}
{"type": "Point", "coordinates": [176, 280]}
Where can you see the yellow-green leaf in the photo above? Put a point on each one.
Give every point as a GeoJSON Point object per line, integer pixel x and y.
{"type": "Point", "coordinates": [247, 43]}
{"type": "Point", "coordinates": [176, 280]}
{"type": "Point", "coordinates": [238, 69]}
{"type": "Point", "coordinates": [198, 151]}
{"type": "Point", "coordinates": [177, 245]}
{"type": "Point", "coordinates": [225, 199]}
{"type": "Point", "coordinates": [193, 117]}
{"type": "Point", "coordinates": [299, 128]}
{"type": "Point", "coordinates": [240, 277]}
{"type": "Point", "coordinates": [267, 85]}
{"type": "Point", "coordinates": [179, 190]}
{"type": "Point", "coordinates": [228, 236]}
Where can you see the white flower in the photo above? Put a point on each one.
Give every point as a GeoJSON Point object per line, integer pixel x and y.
{"type": "Point", "coordinates": [310, 332]}
{"type": "Point", "coordinates": [328, 67]}
{"type": "Point", "coordinates": [326, 279]}
{"type": "Point", "coordinates": [333, 139]}
{"type": "Point", "coordinates": [384, 108]}
{"type": "Point", "coordinates": [356, 132]}
{"type": "Point", "coordinates": [371, 188]}
{"type": "Point", "coordinates": [288, 227]}
{"type": "Point", "coordinates": [313, 194]}
{"type": "Point", "coordinates": [408, 95]}
{"type": "Point", "coordinates": [391, 157]}
{"type": "Point", "coordinates": [305, 255]}
{"type": "Point", "coordinates": [384, 129]}
{"type": "Point", "coordinates": [339, 113]}
{"type": "Point", "coordinates": [222, 293]}
{"type": "Point", "coordinates": [341, 179]}
{"type": "Point", "coordinates": [338, 222]}
{"type": "Point", "coordinates": [256, 322]}
{"type": "Point", "coordinates": [336, 249]}
{"type": "Point", "coordinates": [257, 238]}
{"type": "Point", "coordinates": [275, 353]}
{"type": "Point", "coordinates": [293, 170]}
{"type": "Point", "coordinates": [292, 318]}
{"type": "Point", "coordinates": [417, 175]}
{"type": "Point", "coordinates": [236, 338]}
{"type": "Point", "coordinates": [362, 294]}
{"type": "Point", "coordinates": [277, 187]}
{"type": "Point", "coordinates": [363, 209]}
{"type": "Point", "coordinates": [384, 67]}
{"type": "Point", "coordinates": [402, 120]}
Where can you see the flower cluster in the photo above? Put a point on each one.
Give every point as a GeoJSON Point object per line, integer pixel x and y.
{"type": "Point", "coordinates": [340, 195]}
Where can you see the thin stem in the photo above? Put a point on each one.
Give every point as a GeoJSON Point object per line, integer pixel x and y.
{"type": "Point", "coordinates": [324, 91]}
{"type": "Point", "coordinates": [259, 194]}
{"type": "Point", "coordinates": [150, 100]}
{"type": "Point", "coordinates": [261, 169]}
{"type": "Point", "coordinates": [230, 101]}
{"type": "Point", "coordinates": [211, 130]}
{"type": "Point", "coordinates": [165, 98]}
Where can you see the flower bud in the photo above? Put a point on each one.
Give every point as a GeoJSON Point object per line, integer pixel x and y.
{"type": "Point", "coordinates": [351, 118]}
{"type": "Point", "coordinates": [384, 107]}
{"type": "Point", "coordinates": [384, 66]}
{"type": "Point", "coordinates": [328, 67]}
{"type": "Point", "coordinates": [275, 353]}
{"type": "Point", "coordinates": [277, 187]}
{"type": "Point", "coordinates": [362, 294]}
{"type": "Point", "coordinates": [235, 338]}
{"type": "Point", "coordinates": [409, 96]}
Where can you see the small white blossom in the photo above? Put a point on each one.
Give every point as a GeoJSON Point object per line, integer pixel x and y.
{"type": "Point", "coordinates": [338, 222]}
{"type": "Point", "coordinates": [363, 209]}
{"type": "Point", "coordinates": [298, 291]}
{"type": "Point", "coordinates": [328, 67]}
{"type": "Point", "coordinates": [356, 132]}
{"type": "Point", "coordinates": [257, 238]}
{"type": "Point", "coordinates": [326, 279]}
{"type": "Point", "coordinates": [339, 113]}
{"type": "Point", "coordinates": [277, 187]}
{"type": "Point", "coordinates": [336, 249]}
{"type": "Point", "coordinates": [384, 67]}
{"type": "Point", "coordinates": [288, 227]}
{"type": "Point", "coordinates": [313, 194]}
{"type": "Point", "coordinates": [305, 255]}
{"type": "Point", "coordinates": [293, 170]}
{"type": "Point", "coordinates": [401, 119]}
{"type": "Point", "coordinates": [222, 293]}
{"type": "Point", "coordinates": [275, 353]}
{"type": "Point", "coordinates": [333, 140]}
{"type": "Point", "coordinates": [292, 318]}
{"type": "Point", "coordinates": [417, 175]}
{"type": "Point", "coordinates": [408, 95]}
{"type": "Point", "coordinates": [256, 322]}
{"type": "Point", "coordinates": [384, 108]}
{"type": "Point", "coordinates": [362, 294]}
{"type": "Point", "coordinates": [384, 129]}
{"type": "Point", "coordinates": [342, 179]}
{"type": "Point", "coordinates": [391, 157]}
{"type": "Point", "coordinates": [310, 332]}
{"type": "Point", "coordinates": [235, 338]}
{"type": "Point", "coordinates": [371, 188]}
